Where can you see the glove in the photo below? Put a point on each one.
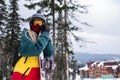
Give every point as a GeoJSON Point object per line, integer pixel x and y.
{"type": "Point", "coordinates": [45, 28]}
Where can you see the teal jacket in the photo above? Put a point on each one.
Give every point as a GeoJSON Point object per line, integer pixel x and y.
{"type": "Point", "coordinates": [30, 48]}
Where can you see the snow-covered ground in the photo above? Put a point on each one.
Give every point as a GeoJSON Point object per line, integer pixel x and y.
{"type": "Point", "coordinates": [100, 79]}
{"type": "Point", "coordinates": [78, 78]}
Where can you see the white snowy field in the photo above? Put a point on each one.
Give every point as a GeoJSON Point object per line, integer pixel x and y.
{"type": "Point", "coordinates": [100, 79]}
{"type": "Point", "coordinates": [78, 78]}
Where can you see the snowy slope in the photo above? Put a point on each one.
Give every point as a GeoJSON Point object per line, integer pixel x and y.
{"type": "Point", "coordinates": [78, 78]}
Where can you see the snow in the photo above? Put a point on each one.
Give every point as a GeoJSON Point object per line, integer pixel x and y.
{"type": "Point", "coordinates": [98, 79]}
{"type": "Point", "coordinates": [113, 67]}
{"type": "Point", "coordinates": [79, 78]}
{"type": "Point", "coordinates": [94, 63]}
{"type": "Point", "coordinates": [70, 69]}
{"type": "Point", "coordinates": [100, 64]}
{"type": "Point", "coordinates": [84, 68]}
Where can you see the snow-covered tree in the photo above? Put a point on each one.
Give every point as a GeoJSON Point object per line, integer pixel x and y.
{"type": "Point", "coordinates": [12, 34]}
{"type": "Point", "coordinates": [3, 22]}
{"type": "Point", "coordinates": [3, 18]}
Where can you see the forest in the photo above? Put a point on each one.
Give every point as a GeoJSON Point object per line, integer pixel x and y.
{"type": "Point", "coordinates": [60, 16]}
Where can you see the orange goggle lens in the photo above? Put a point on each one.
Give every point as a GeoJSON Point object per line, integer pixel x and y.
{"type": "Point", "coordinates": [38, 22]}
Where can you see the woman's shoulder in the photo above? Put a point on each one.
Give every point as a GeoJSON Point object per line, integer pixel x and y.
{"type": "Point", "coordinates": [24, 32]}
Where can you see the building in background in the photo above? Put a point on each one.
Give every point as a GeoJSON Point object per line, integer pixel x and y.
{"type": "Point", "coordinates": [103, 69]}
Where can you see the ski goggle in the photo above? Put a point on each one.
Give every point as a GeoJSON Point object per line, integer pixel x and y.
{"type": "Point", "coordinates": [38, 22]}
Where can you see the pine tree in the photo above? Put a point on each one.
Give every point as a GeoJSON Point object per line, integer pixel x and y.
{"type": "Point", "coordinates": [3, 20]}
{"type": "Point", "coordinates": [12, 36]}
{"type": "Point", "coordinates": [73, 66]}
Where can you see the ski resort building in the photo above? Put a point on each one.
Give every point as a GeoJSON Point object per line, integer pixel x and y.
{"type": "Point", "coordinates": [103, 69]}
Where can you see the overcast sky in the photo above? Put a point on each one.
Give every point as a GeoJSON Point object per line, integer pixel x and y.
{"type": "Point", "coordinates": [105, 16]}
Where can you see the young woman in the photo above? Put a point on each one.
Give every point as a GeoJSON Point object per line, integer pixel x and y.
{"type": "Point", "coordinates": [32, 43]}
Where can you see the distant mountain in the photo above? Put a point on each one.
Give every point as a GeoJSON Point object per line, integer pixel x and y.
{"type": "Point", "coordinates": [86, 57]}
